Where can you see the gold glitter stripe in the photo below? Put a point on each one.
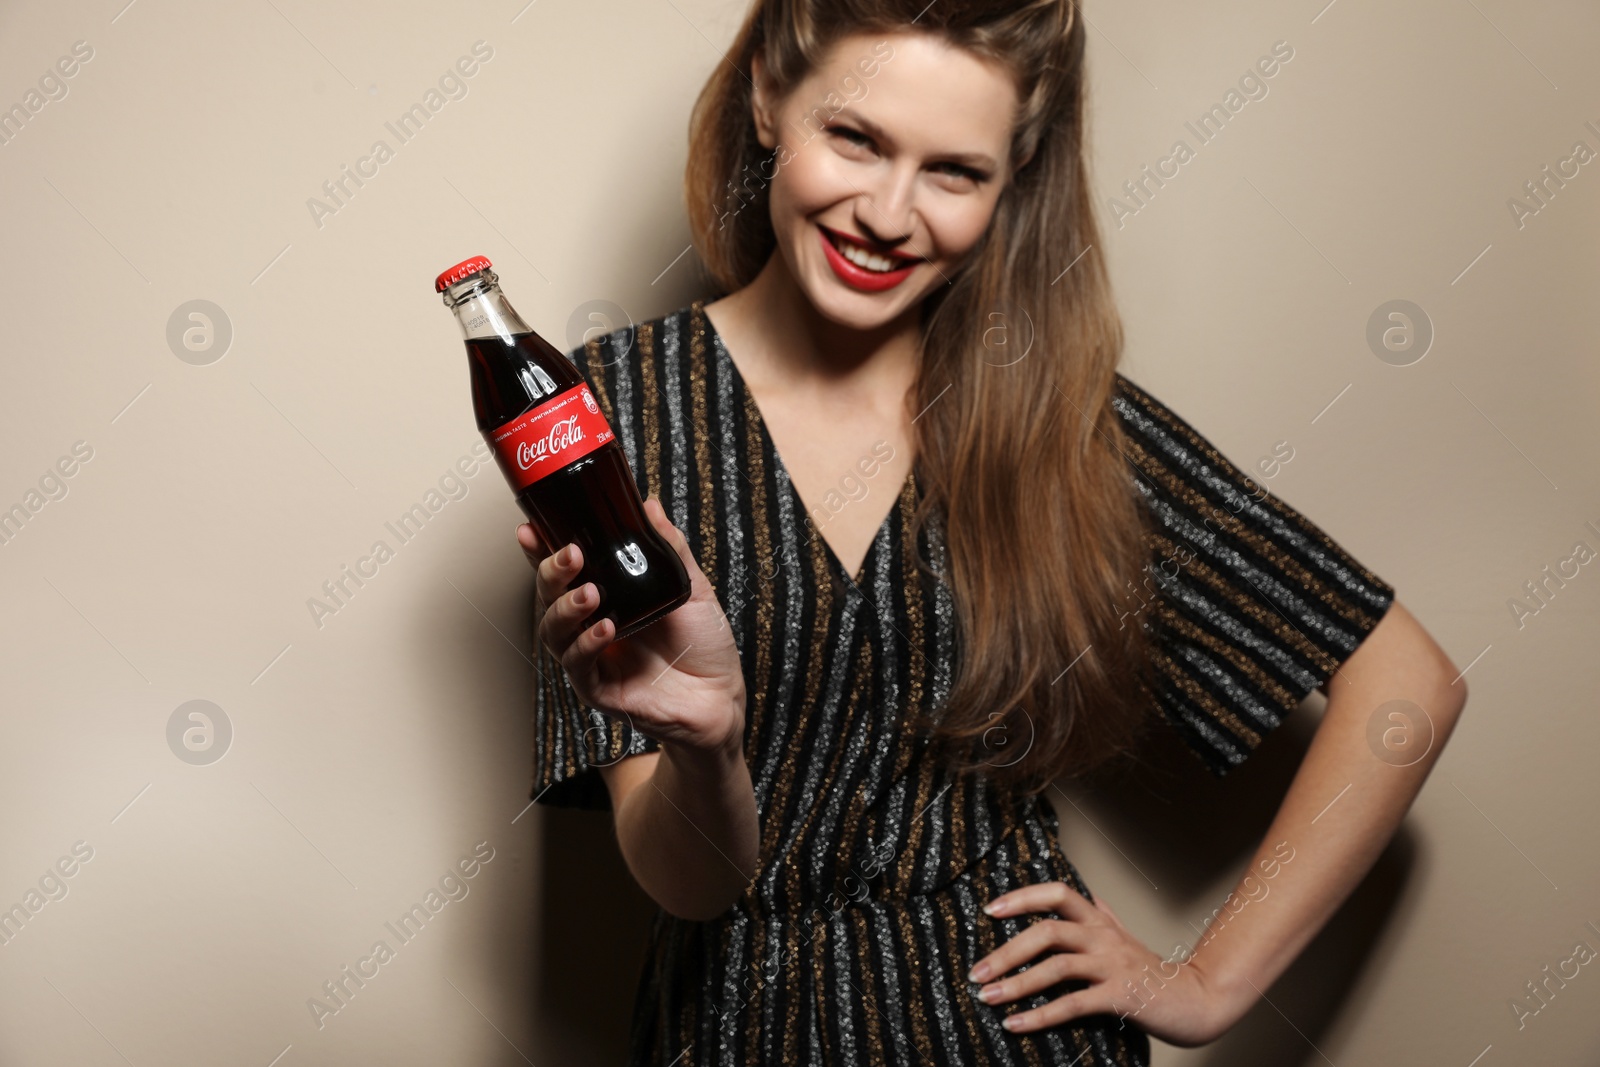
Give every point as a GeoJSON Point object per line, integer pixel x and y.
{"type": "Point", "coordinates": [863, 942]}
{"type": "Point", "coordinates": [702, 457]}
{"type": "Point", "coordinates": [916, 1005]}
{"type": "Point", "coordinates": [819, 972]}
{"type": "Point", "coordinates": [649, 400]}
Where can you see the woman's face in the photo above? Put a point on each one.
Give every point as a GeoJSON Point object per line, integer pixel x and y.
{"type": "Point", "coordinates": [891, 157]}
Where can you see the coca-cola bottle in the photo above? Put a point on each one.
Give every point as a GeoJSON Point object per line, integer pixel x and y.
{"type": "Point", "coordinates": [555, 447]}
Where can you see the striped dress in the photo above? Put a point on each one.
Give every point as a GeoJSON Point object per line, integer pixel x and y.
{"type": "Point", "coordinates": [853, 942]}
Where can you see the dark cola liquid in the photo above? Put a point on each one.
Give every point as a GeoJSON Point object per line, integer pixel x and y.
{"type": "Point", "coordinates": [593, 503]}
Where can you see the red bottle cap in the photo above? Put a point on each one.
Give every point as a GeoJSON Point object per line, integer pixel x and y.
{"type": "Point", "coordinates": [461, 270]}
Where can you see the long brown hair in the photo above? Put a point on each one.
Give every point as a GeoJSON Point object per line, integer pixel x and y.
{"type": "Point", "coordinates": [1025, 457]}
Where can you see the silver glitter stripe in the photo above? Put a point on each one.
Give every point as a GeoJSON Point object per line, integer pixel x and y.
{"type": "Point", "coordinates": [674, 383]}
{"type": "Point", "coordinates": [934, 952]}
{"type": "Point", "coordinates": [786, 638]}
{"type": "Point", "coordinates": [893, 821]}
{"type": "Point", "coordinates": [888, 606]}
{"type": "Point", "coordinates": [730, 1024]}
{"type": "Point", "coordinates": [770, 1032]}
{"type": "Point", "coordinates": [810, 998]}
{"type": "Point", "coordinates": [625, 406]}
{"type": "Point", "coordinates": [731, 521]}
{"type": "Point", "coordinates": [938, 811]}
{"type": "Point", "coordinates": [843, 1003]}
{"type": "Point", "coordinates": [894, 1006]}
{"type": "Point", "coordinates": [944, 610]}
{"type": "Point", "coordinates": [988, 1018]}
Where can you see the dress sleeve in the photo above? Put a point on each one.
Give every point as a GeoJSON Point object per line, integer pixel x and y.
{"type": "Point", "coordinates": [571, 740]}
{"type": "Point", "coordinates": [1249, 604]}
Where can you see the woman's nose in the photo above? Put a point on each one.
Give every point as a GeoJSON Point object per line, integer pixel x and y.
{"type": "Point", "coordinates": [889, 208]}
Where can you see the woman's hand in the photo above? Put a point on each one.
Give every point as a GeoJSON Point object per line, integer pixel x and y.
{"type": "Point", "coordinates": [678, 680]}
{"type": "Point", "coordinates": [1168, 999]}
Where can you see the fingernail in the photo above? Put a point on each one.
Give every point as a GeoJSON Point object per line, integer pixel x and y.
{"type": "Point", "coordinates": [986, 993]}
{"type": "Point", "coordinates": [995, 907]}
{"type": "Point", "coordinates": [566, 556]}
{"type": "Point", "coordinates": [978, 973]}
{"type": "Point", "coordinates": [1010, 1022]}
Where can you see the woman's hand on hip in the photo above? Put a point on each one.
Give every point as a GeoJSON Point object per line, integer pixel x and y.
{"type": "Point", "coordinates": [679, 680]}
{"type": "Point", "coordinates": [1168, 999]}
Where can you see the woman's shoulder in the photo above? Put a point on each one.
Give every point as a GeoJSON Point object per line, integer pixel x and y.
{"type": "Point", "coordinates": [603, 346]}
{"type": "Point", "coordinates": [645, 375]}
{"type": "Point", "coordinates": [612, 357]}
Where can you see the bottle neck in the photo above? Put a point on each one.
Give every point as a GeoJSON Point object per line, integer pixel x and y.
{"type": "Point", "coordinates": [482, 310]}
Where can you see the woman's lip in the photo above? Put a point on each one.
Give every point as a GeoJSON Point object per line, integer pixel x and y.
{"type": "Point", "coordinates": [892, 254]}
{"type": "Point", "coordinates": [856, 277]}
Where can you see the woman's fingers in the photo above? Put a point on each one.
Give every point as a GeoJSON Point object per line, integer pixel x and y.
{"type": "Point", "coordinates": [532, 547]}
{"type": "Point", "coordinates": [564, 617]}
{"type": "Point", "coordinates": [1058, 897]}
{"type": "Point", "coordinates": [1047, 972]}
{"type": "Point", "coordinates": [555, 570]}
{"type": "Point", "coordinates": [581, 658]}
{"type": "Point", "coordinates": [1048, 935]}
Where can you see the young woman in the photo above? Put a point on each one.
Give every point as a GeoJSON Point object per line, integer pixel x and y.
{"type": "Point", "coordinates": [936, 568]}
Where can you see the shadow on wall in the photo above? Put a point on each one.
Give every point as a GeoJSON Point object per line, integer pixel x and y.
{"type": "Point", "coordinates": [1186, 829]}
{"type": "Point", "coordinates": [589, 935]}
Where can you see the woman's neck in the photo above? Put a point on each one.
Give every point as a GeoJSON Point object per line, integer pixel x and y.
{"type": "Point", "coordinates": [783, 338]}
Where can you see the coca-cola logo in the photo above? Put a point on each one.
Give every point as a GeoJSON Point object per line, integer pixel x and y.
{"type": "Point", "coordinates": [563, 434]}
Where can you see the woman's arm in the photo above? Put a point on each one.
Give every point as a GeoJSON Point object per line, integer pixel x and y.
{"type": "Point", "coordinates": [686, 813]}
{"type": "Point", "coordinates": [1345, 803]}
{"type": "Point", "coordinates": [686, 824]}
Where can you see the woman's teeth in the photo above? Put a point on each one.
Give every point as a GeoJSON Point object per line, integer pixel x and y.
{"type": "Point", "coordinates": [864, 259]}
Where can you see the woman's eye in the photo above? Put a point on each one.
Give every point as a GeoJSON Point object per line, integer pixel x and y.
{"type": "Point", "coordinates": [855, 137]}
{"type": "Point", "coordinates": [956, 170]}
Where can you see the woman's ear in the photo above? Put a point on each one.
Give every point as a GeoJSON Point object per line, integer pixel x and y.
{"type": "Point", "coordinates": [762, 103]}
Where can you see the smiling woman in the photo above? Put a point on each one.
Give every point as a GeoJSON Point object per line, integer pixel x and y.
{"type": "Point", "coordinates": [828, 766]}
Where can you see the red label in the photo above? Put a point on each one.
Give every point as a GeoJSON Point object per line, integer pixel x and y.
{"type": "Point", "coordinates": [547, 438]}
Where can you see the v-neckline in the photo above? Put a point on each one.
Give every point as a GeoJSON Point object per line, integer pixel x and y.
{"type": "Point", "coordinates": [698, 312]}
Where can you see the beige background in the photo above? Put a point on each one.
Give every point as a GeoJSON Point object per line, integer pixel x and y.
{"type": "Point", "coordinates": [370, 754]}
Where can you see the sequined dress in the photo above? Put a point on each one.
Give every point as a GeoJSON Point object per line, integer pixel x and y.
{"type": "Point", "coordinates": [853, 943]}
